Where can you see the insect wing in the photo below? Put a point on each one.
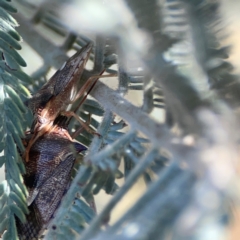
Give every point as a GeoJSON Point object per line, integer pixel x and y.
{"type": "Point", "coordinates": [38, 101]}
{"type": "Point", "coordinates": [58, 82]}
{"type": "Point", "coordinates": [38, 170]}
{"type": "Point", "coordinates": [46, 201]}
{"type": "Point", "coordinates": [51, 192]}
{"type": "Point", "coordinates": [32, 228]}
{"type": "Point", "coordinates": [72, 69]}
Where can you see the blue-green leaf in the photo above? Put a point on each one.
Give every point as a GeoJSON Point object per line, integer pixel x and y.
{"type": "Point", "coordinates": [8, 7]}
{"type": "Point", "coordinates": [2, 160]}
{"type": "Point", "coordinates": [17, 190]}
{"type": "Point", "coordinates": [22, 76]}
{"type": "Point", "coordinates": [3, 224]}
{"type": "Point", "coordinates": [11, 62]}
{"type": "Point", "coordinates": [3, 200]}
{"type": "Point", "coordinates": [6, 47]}
{"type": "Point", "coordinates": [4, 26]}
{"type": "Point", "coordinates": [11, 232]}
{"type": "Point", "coordinates": [15, 97]}
{"type": "Point", "coordinates": [10, 40]}
{"type": "Point", "coordinates": [18, 212]}
{"type": "Point", "coordinates": [19, 202]}
{"type": "Point", "coordinates": [8, 18]}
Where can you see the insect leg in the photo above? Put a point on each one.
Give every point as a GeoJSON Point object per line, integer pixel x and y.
{"type": "Point", "coordinates": [86, 85]}
{"type": "Point", "coordinates": [83, 89]}
{"type": "Point", "coordinates": [80, 129]}
{"type": "Point", "coordinates": [84, 125]}
{"type": "Point", "coordinates": [34, 139]}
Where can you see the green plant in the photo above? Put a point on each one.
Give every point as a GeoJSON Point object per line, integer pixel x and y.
{"type": "Point", "coordinates": [171, 53]}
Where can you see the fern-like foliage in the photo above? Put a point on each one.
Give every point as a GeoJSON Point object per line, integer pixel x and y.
{"type": "Point", "coordinates": [13, 193]}
{"type": "Point", "coordinates": [179, 69]}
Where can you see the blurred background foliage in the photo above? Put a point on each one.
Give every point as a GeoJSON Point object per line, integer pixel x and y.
{"type": "Point", "coordinates": [166, 165]}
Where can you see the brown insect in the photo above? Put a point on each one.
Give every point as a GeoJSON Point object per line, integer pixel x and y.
{"type": "Point", "coordinates": [47, 177]}
{"type": "Point", "coordinates": [54, 97]}
{"type": "Point", "coordinates": [49, 144]}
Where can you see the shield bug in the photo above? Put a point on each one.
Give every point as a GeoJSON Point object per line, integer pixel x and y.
{"type": "Point", "coordinates": [47, 177]}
